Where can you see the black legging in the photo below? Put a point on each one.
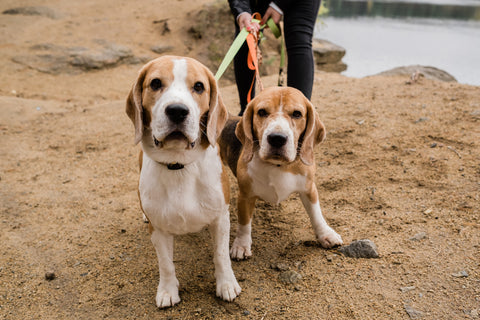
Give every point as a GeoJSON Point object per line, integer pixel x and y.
{"type": "Point", "coordinates": [299, 24]}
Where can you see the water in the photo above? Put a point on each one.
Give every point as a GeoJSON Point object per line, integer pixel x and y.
{"type": "Point", "coordinates": [381, 35]}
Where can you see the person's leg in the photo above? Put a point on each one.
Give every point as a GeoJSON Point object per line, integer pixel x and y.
{"type": "Point", "coordinates": [243, 75]}
{"type": "Point", "coordinates": [299, 24]}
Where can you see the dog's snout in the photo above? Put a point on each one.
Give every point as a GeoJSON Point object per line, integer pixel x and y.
{"type": "Point", "coordinates": [277, 140]}
{"type": "Point", "coordinates": [177, 113]}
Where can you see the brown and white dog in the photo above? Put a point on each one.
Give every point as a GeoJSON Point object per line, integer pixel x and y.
{"type": "Point", "coordinates": [270, 151]}
{"type": "Point", "coordinates": [178, 114]}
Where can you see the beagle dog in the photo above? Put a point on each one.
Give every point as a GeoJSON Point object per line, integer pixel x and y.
{"type": "Point", "coordinates": [270, 151]}
{"type": "Point", "coordinates": [178, 115]}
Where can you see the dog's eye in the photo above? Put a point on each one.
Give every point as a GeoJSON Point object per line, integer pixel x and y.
{"type": "Point", "coordinates": [262, 113]}
{"type": "Point", "coordinates": [296, 114]}
{"type": "Point", "coordinates": [198, 87]}
{"type": "Point", "coordinates": [156, 84]}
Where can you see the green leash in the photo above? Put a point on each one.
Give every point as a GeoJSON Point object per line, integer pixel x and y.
{"type": "Point", "coordinates": [238, 42]}
{"type": "Point", "coordinates": [232, 51]}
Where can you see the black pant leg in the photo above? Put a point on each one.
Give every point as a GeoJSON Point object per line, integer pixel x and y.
{"type": "Point", "coordinates": [299, 24]}
{"type": "Point", "coordinates": [243, 76]}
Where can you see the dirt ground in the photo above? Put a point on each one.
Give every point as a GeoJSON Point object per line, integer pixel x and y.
{"type": "Point", "coordinates": [400, 166]}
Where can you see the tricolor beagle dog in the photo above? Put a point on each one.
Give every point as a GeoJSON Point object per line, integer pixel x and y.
{"type": "Point", "coordinates": [270, 151]}
{"type": "Point", "coordinates": [178, 114]}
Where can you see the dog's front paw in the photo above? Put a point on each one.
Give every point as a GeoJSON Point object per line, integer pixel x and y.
{"type": "Point", "coordinates": [241, 249]}
{"type": "Point", "coordinates": [167, 297]}
{"type": "Point", "coordinates": [329, 238]}
{"type": "Point", "coordinates": [228, 290]}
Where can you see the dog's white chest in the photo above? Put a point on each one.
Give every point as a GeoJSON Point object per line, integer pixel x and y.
{"type": "Point", "coordinates": [185, 200]}
{"type": "Point", "coordinates": [271, 183]}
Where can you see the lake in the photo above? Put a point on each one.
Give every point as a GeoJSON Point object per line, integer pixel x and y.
{"type": "Point", "coordinates": [381, 35]}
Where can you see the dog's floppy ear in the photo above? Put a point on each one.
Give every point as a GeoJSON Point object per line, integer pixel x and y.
{"type": "Point", "coordinates": [244, 132]}
{"type": "Point", "coordinates": [134, 106]}
{"type": "Point", "coordinates": [314, 134]}
{"type": "Point", "coordinates": [217, 112]}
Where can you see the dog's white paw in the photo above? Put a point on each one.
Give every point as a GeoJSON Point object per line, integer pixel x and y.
{"type": "Point", "coordinates": [228, 290]}
{"type": "Point", "coordinates": [167, 298]}
{"type": "Point", "coordinates": [241, 249]}
{"type": "Point", "coordinates": [329, 238]}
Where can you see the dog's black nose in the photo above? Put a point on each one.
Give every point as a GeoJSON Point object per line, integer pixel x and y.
{"type": "Point", "coordinates": [277, 140]}
{"type": "Point", "coordinates": [177, 113]}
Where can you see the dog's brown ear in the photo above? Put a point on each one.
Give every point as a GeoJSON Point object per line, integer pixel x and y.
{"type": "Point", "coordinates": [134, 106]}
{"type": "Point", "coordinates": [244, 132]}
{"type": "Point", "coordinates": [217, 112]}
{"type": "Point", "coordinates": [314, 134]}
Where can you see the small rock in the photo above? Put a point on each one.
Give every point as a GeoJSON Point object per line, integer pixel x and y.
{"type": "Point", "coordinates": [428, 211]}
{"type": "Point", "coordinates": [461, 274]}
{"type": "Point", "coordinates": [290, 277]}
{"type": "Point", "coordinates": [419, 236]}
{"type": "Point", "coordinates": [50, 275]}
{"type": "Point", "coordinates": [360, 249]}
{"type": "Point", "coordinates": [422, 119]}
{"type": "Point", "coordinates": [246, 312]}
{"type": "Point", "coordinates": [161, 49]}
{"type": "Point", "coordinates": [407, 289]}
{"type": "Point", "coordinates": [412, 313]}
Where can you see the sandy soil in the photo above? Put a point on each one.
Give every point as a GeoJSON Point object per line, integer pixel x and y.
{"type": "Point", "coordinates": [400, 166]}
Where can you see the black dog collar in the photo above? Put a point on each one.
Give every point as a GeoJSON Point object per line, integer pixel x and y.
{"type": "Point", "coordinates": [175, 166]}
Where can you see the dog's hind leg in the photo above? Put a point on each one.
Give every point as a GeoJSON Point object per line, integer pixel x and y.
{"type": "Point", "coordinates": [167, 291]}
{"type": "Point", "coordinates": [242, 245]}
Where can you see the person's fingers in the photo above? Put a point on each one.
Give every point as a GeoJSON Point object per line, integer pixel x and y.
{"type": "Point", "coordinates": [271, 13]}
{"type": "Point", "coordinates": [266, 16]}
{"type": "Point", "coordinates": [245, 21]}
{"type": "Point", "coordinates": [276, 17]}
{"type": "Point", "coordinates": [255, 27]}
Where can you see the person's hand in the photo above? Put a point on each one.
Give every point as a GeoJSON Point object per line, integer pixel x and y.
{"type": "Point", "coordinates": [245, 21]}
{"type": "Point", "coordinates": [271, 13]}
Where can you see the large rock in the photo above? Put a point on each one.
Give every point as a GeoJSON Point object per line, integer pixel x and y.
{"type": "Point", "coordinates": [53, 59]}
{"type": "Point", "coordinates": [427, 71]}
{"type": "Point", "coordinates": [328, 56]}
{"type": "Point", "coordinates": [109, 56]}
